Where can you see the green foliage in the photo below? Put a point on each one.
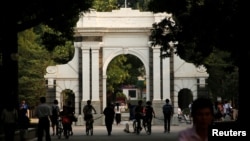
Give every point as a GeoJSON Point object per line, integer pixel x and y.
{"type": "Point", "coordinates": [207, 34]}
{"type": "Point", "coordinates": [109, 5]}
{"type": "Point", "coordinates": [61, 16]}
{"type": "Point", "coordinates": [120, 95]}
{"type": "Point", "coordinates": [203, 26]}
{"type": "Point", "coordinates": [105, 5]}
{"type": "Point", "coordinates": [33, 61]}
{"type": "Point", "coordinates": [123, 69]}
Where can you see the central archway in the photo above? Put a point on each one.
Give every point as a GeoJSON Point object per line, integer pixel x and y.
{"type": "Point", "coordinates": [118, 52]}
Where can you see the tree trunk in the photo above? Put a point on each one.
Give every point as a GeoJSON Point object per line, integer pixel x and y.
{"type": "Point", "coordinates": [9, 64]}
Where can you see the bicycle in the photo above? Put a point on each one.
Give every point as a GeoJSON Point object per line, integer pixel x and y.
{"type": "Point", "coordinates": [59, 128]}
{"type": "Point", "coordinates": [147, 125]}
{"type": "Point", "coordinates": [136, 127]}
{"type": "Point", "coordinates": [65, 121]}
{"type": "Point", "coordinates": [89, 127]}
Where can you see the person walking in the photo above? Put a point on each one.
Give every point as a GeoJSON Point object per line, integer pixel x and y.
{"type": "Point", "coordinates": [109, 117]}
{"type": "Point", "coordinates": [25, 106]}
{"type": "Point", "coordinates": [66, 121]}
{"type": "Point", "coordinates": [43, 112]}
{"type": "Point", "coordinates": [23, 124]}
{"type": "Point", "coordinates": [117, 113]}
{"type": "Point", "coordinates": [9, 117]}
{"type": "Point", "coordinates": [71, 111]}
{"type": "Point", "coordinates": [202, 113]}
{"type": "Point", "coordinates": [167, 110]}
{"type": "Point", "coordinates": [139, 114]}
{"type": "Point", "coordinates": [54, 117]}
{"type": "Point", "coordinates": [149, 114]}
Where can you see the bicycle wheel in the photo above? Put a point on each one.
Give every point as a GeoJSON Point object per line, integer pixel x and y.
{"type": "Point", "coordinates": [66, 133]}
{"type": "Point", "coordinates": [87, 128]}
{"type": "Point", "coordinates": [59, 133]}
{"type": "Point", "coordinates": [148, 131]}
{"type": "Point", "coordinates": [59, 130]}
{"type": "Point", "coordinates": [91, 131]}
{"type": "Point", "coordinates": [138, 129]}
{"type": "Point", "coordinates": [147, 127]}
{"type": "Point", "coordinates": [91, 128]}
{"type": "Point", "coordinates": [134, 126]}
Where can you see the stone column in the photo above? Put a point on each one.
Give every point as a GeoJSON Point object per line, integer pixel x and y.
{"type": "Point", "coordinates": [147, 88]}
{"type": "Point", "coordinates": [104, 93]}
{"type": "Point", "coordinates": [156, 74]}
{"type": "Point", "coordinates": [95, 74]}
{"type": "Point", "coordinates": [166, 78]}
{"type": "Point", "coordinates": [85, 74]}
{"type": "Point", "coordinates": [175, 120]}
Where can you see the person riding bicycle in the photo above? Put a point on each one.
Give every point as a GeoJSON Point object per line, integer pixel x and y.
{"type": "Point", "coordinates": [149, 114]}
{"type": "Point", "coordinates": [87, 111]}
{"type": "Point", "coordinates": [139, 114]}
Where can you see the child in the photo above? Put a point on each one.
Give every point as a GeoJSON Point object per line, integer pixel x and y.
{"type": "Point", "coordinates": [23, 122]}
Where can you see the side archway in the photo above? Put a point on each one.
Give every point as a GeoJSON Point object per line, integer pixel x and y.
{"type": "Point", "coordinates": [185, 97]}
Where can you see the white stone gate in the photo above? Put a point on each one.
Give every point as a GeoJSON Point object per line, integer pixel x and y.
{"type": "Point", "coordinates": [100, 37]}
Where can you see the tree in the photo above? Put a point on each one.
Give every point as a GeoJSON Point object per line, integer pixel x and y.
{"type": "Point", "coordinates": [32, 62]}
{"type": "Point", "coordinates": [61, 16]}
{"type": "Point", "coordinates": [206, 25]}
{"type": "Point", "coordinates": [105, 5]}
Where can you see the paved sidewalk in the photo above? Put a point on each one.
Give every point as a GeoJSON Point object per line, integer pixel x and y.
{"type": "Point", "coordinates": [118, 133]}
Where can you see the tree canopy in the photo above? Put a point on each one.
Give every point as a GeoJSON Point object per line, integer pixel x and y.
{"type": "Point", "coordinates": [61, 16]}
{"type": "Point", "coordinates": [202, 26]}
{"type": "Point", "coordinates": [206, 26]}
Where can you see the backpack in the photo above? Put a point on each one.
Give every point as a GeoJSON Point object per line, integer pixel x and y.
{"type": "Point", "coordinates": [88, 109]}
{"type": "Point", "coordinates": [148, 111]}
{"type": "Point", "coordinates": [167, 109]}
{"type": "Point", "coordinates": [138, 109]}
{"type": "Point", "coordinates": [54, 111]}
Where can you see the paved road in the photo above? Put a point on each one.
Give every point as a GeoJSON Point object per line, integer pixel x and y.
{"type": "Point", "coordinates": [100, 134]}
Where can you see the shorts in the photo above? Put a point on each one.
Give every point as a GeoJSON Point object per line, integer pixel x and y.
{"type": "Point", "coordinates": [54, 120]}
{"type": "Point", "coordinates": [87, 117]}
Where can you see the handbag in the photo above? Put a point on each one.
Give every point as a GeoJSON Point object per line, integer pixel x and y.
{"type": "Point", "coordinates": [65, 120]}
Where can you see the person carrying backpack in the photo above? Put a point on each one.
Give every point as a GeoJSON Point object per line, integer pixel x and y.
{"type": "Point", "coordinates": [167, 110]}
{"type": "Point", "coordinates": [54, 117]}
